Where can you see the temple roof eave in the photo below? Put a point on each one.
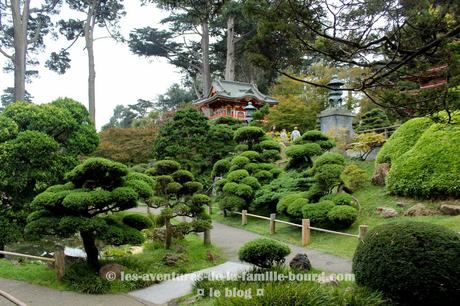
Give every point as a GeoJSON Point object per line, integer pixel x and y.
{"type": "Point", "coordinates": [226, 97]}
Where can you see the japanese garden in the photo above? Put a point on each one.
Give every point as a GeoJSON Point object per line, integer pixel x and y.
{"type": "Point", "coordinates": [291, 152]}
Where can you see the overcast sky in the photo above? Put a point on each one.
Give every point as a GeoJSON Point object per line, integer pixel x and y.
{"type": "Point", "coordinates": [121, 77]}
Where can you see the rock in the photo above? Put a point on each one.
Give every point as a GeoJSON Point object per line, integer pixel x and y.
{"type": "Point", "coordinates": [328, 280]}
{"type": "Point", "coordinates": [158, 234]}
{"type": "Point", "coordinates": [136, 250]}
{"type": "Point", "coordinates": [300, 262]}
{"type": "Point", "coordinates": [211, 257]}
{"type": "Point", "coordinates": [380, 173]}
{"type": "Point", "coordinates": [180, 249]}
{"type": "Point", "coordinates": [111, 271]}
{"type": "Point", "coordinates": [451, 210]}
{"type": "Point", "coordinates": [387, 212]}
{"type": "Point", "coordinates": [171, 259]}
{"type": "Point", "coordinates": [419, 210]}
{"type": "Point", "coordinates": [401, 204]}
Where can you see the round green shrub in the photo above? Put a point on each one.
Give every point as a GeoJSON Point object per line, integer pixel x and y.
{"type": "Point", "coordinates": [251, 181]}
{"type": "Point", "coordinates": [317, 213]}
{"type": "Point", "coordinates": [301, 151]}
{"type": "Point", "coordinates": [341, 217]}
{"type": "Point", "coordinates": [244, 191]}
{"type": "Point", "coordinates": [402, 140]}
{"type": "Point", "coordinates": [248, 134]}
{"type": "Point", "coordinates": [276, 172]}
{"type": "Point", "coordinates": [431, 168]}
{"type": "Point", "coordinates": [317, 137]}
{"type": "Point", "coordinates": [140, 187]}
{"type": "Point", "coordinates": [263, 176]}
{"type": "Point", "coordinates": [253, 156]}
{"type": "Point", "coordinates": [137, 221]}
{"type": "Point", "coordinates": [265, 166]}
{"type": "Point", "coordinates": [252, 167]}
{"type": "Point", "coordinates": [8, 129]}
{"type": "Point", "coordinates": [173, 188]}
{"type": "Point", "coordinates": [120, 234]}
{"type": "Point", "coordinates": [330, 158]}
{"type": "Point", "coordinates": [270, 145]}
{"type": "Point", "coordinates": [237, 175]}
{"type": "Point", "coordinates": [354, 177]}
{"type": "Point", "coordinates": [192, 187]}
{"type": "Point", "coordinates": [413, 263]}
{"type": "Point", "coordinates": [340, 199]}
{"type": "Point", "coordinates": [238, 162]}
{"type": "Point", "coordinates": [183, 176]}
{"type": "Point", "coordinates": [264, 253]}
{"type": "Point", "coordinates": [328, 176]}
{"type": "Point", "coordinates": [241, 148]}
{"type": "Point", "coordinates": [232, 202]}
{"type": "Point", "coordinates": [164, 167]}
{"type": "Point", "coordinates": [294, 209]}
{"type": "Point", "coordinates": [230, 188]}
{"type": "Point", "coordinates": [288, 198]}
{"type": "Point", "coordinates": [270, 155]}
{"type": "Point", "coordinates": [220, 167]}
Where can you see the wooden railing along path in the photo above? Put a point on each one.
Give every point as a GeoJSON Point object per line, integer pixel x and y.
{"type": "Point", "coordinates": [305, 226]}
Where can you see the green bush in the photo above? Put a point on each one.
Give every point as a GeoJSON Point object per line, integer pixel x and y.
{"type": "Point", "coordinates": [249, 135]}
{"type": "Point", "coordinates": [340, 199]}
{"type": "Point", "coordinates": [294, 209]}
{"type": "Point", "coordinates": [270, 155]}
{"type": "Point", "coordinates": [269, 145]}
{"type": "Point", "coordinates": [251, 181]}
{"type": "Point", "coordinates": [183, 176]}
{"type": "Point", "coordinates": [341, 217]}
{"type": "Point", "coordinates": [431, 168]}
{"type": "Point", "coordinates": [237, 175]}
{"type": "Point", "coordinates": [220, 167]}
{"type": "Point", "coordinates": [330, 158]}
{"type": "Point", "coordinates": [413, 263]}
{"type": "Point", "coordinates": [317, 213]}
{"type": "Point", "coordinates": [263, 176]}
{"type": "Point", "coordinates": [263, 252]}
{"type": "Point", "coordinates": [317, 137]}
{"type": "Point", "coordinates": [119, 234]}
{"type": "Point", "coordinates": [253, 156]}
{"type": "Point", "coordinates": [402, 140]}
{"type": "Point", "coordinates": [241, 148]}
{"type": "Point", "coordinates": [354, 177]}
{"type": "Point", "coordinates": [164, 167]}
{"type": "Point", "coordinates": [80, 278]}
{"type": "Point", "coordinates": [301, 155]}
{"type": "Point", "coordinates": [232, 202]}
{"type": "Point", "coordinates": [276, 172]}
{"type": "Point", "coordinates": [137, 221]}
{"type": "Point", "coordinates": [287, 199]}
{"type": "Point", "coordinates": [230, 188]}
{"type": "Point", "coordinates": [238, 162]}
{"type": "Point", "coordinates": [244, 191]}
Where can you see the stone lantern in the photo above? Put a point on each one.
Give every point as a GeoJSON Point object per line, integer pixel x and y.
{"type": "Point", "coordinates": [335, 95]}
{"type": "Point", "coordinates": [249, 109]}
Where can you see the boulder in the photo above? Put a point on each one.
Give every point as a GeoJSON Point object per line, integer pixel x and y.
{"type": "Point", "coordinates": [380, 173]}
{"type": "Point", "coordinates": [300, 262]}
{"type": "Point", "coordinates": [171, 259]}
{"type": "Point", "coordinates": [451, 210]}
{"type": "Point", "coordinates": [387, 212]}
{"type": "Point", "coordinates": [111, 271]}
{"type": "Point", "coordinates": [419, 210]}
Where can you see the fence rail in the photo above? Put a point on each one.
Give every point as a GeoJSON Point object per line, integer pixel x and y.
{"type": "Point", "coordinates": [12, 299]}
{"type": "Point", "coordinates": [305, 226]}
{"type": "Point", "coordinates": [58, 260]}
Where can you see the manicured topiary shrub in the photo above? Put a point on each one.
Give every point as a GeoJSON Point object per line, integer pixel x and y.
{"type": "Point", "coordinates": [431, 168]}
{"type": "Point", "coordinates": [251, 181]}
{"type": "Point", "coordinates": [249, 135]}
{"type": "Point", "coordinates": [413, 263]}
{"type": "Point", "coordinates": [137, 221]}
{"type": "Point", "coordinates": [237, 175]}
{"type": "Point", "coordinates": [317, 213]}
{"type": "Point", "coordinates": [263, 176]}
{"type": "Point", "coordinates": [317, 137]}
{"type": "Point", "coordinates": [287, 199]}
{"type": "Point", "coordinates": [264, 253]}
{"type": "Point", "coordinates": [238, 162]}
{"type": "Point", "coordinates": [354, 178]}
{"type": "Point", "coordinates": [253, 156]}
{"type": "Point", "coordinates": [294, 209]}
{"type": "Point", "coordinates": [403, 139]}
{"type": "Point", "coordinates": [270, 155]}
{"type": "Point", "coordinates": [269, 145]}
{"type": "Point", "coordinates": [221, 167]}
{"type": "Point", "coordinates": [340, 199]}
{"type": "Point", "coordinates": [301, 155]}
{"type": "Point", "coordinates": [341, 217]}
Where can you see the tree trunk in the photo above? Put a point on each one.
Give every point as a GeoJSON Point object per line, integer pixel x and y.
{"type": "Point", "coordinates": [20, 23]}
{"type": "Point", "coordinates": [2, 248]}
{"type": "Point", "coordinates": [92, 254]}
{"type": "Point", "coordinates": [205, 51]}
{"type": "Point", "coordinates": [230, 64]}
{"type": "Point", "coordinates": [168, 234]}
{"type": "Point", "coordinates": [89, 41]}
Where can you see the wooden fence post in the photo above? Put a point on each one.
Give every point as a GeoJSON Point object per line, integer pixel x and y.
{"type": "Point", "coordinates": [305, 232]}
{"type": "Point", "coordinates": [244, 217]}
{"type": "Point", "coordinates": [362, 231]}
{"type": "Point", "coordinates": [207, 237]}
{"type": "Point", "coordinates": [272, 223]}
{"type": "Point", "coordinates": [59, 263]}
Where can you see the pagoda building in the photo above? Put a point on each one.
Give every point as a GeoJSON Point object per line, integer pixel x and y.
{"type": "Point", "coordinates": [229, 98]}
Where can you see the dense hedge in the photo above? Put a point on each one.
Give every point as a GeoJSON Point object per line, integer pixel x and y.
{"type": "Point", "coordinates": [263, 252]}
{"type": "Point", "coordinates": [137, 221]}
{"type": "Point", "coordinates": [403, 139]}
{"type": "Point", "coordinates": [431, 168]}
{"type": "Point", "coordinates": [413, 263]}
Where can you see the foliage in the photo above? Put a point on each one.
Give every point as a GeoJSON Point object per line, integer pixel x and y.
{"type": "Point", "coordinates": [318, 213]}
{"type": "Point", "coordinates": [264, 253]}
{"type": "Point", "coordinates": [365, 143]}
{"type": "Point", "coordinates": [314, 136]}
{"type": "Point", "coordinates": [249, 135]}
{"type": "Point", "coordinates": [82, 279]}
{"type": "Point", "coordinates": [415, 257]}
{"type": "Point", "coordinates": [137, 221]}
{"type": "Point", "coordinates": [95, 187]}
{"type": "Point", "coordinates": [178, 194]}
{"type": "Point", "coordinates": [128, 116]}
{"type": "Point", "coordinates": [430, 168]}
{"type": "Point", "coordinates": [339, 199]}
{"type": "Point", "coordinates": [342, 216]}
{"type": "Point", "coordinates": [127, 145]}
{"type": "Point", "coordinates": [402, 140]}
{"type": "Point", "coordinates": [301, 155]}
{"type": "Point", "coordinates": [353, 177]}
{"type": "Point", "coordinates": [375, 118]}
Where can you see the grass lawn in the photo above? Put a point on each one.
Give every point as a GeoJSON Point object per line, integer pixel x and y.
{"type": "Point", "coordinates": [370, 197]}
{"type": "Point", "coordinates": [194, 257]}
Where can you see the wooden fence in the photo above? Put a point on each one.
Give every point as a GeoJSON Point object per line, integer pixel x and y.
{"type": "Point", "coordinates": [386, 131]}
{"type": "Point", "coordinates": [12, 299]}
{"type": "Point", "coordinates": [305, 226]}
{"type": "Point", "coordinates": [58, 260]}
